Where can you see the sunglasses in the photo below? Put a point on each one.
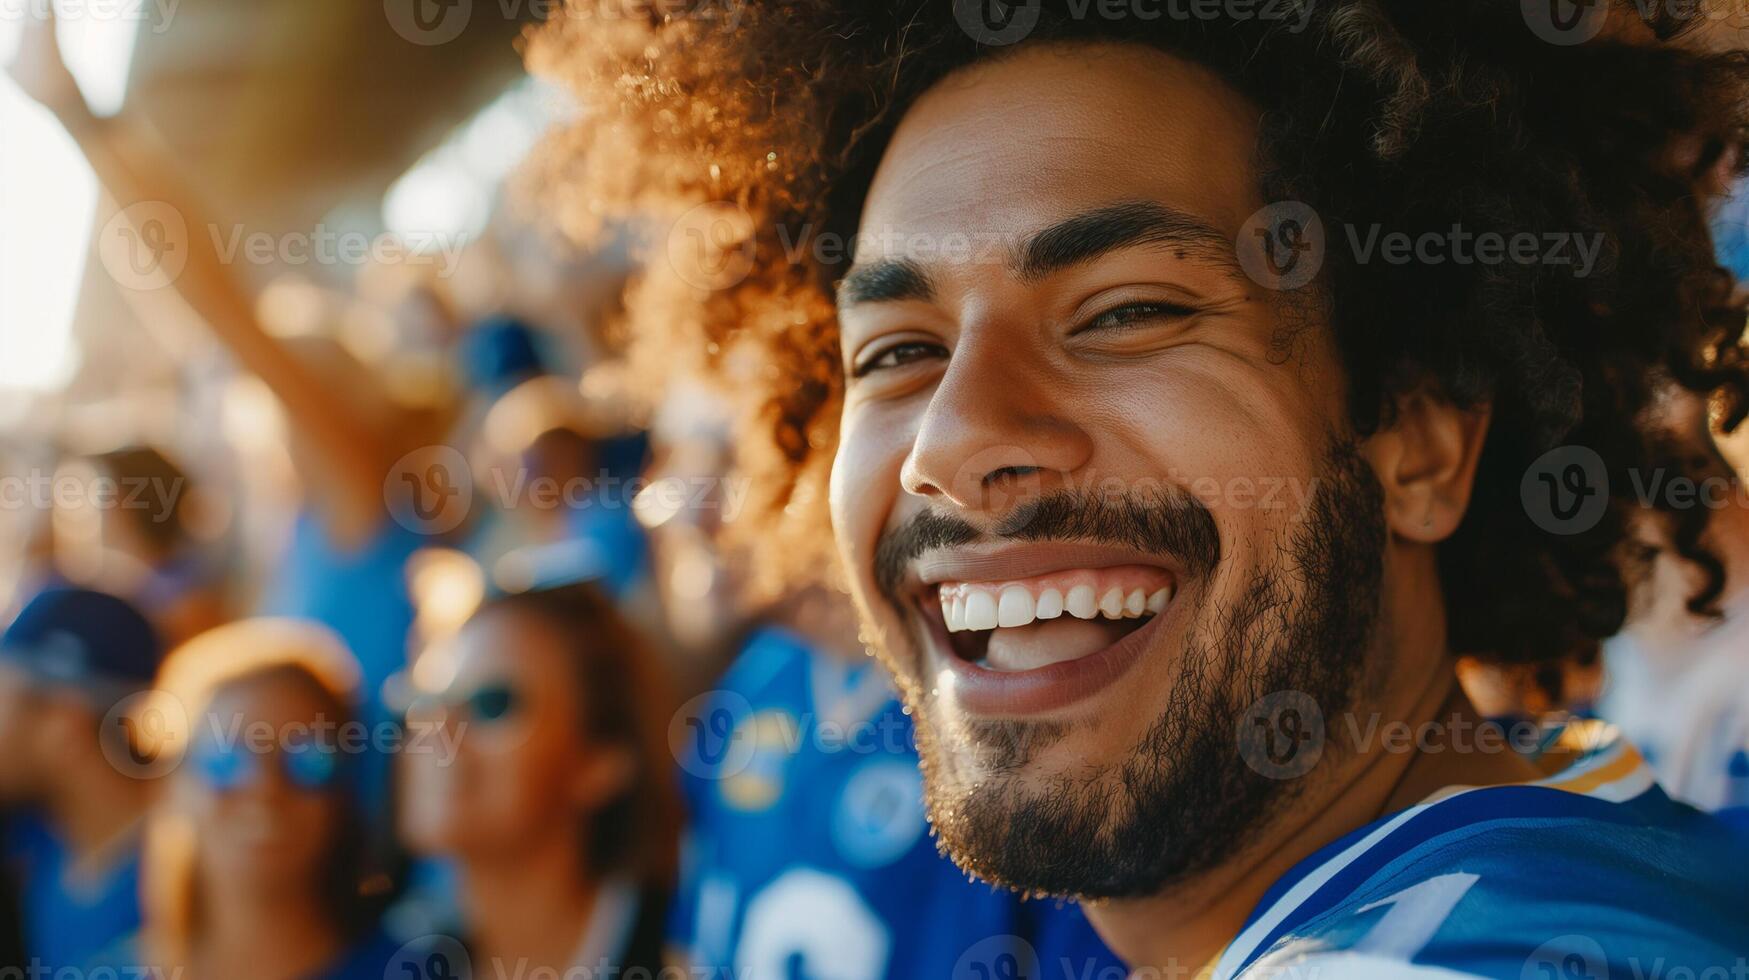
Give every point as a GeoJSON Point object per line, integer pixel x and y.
{"type": "Point", "coordinates": [227, 768]}
{"type": "Point", "coordinates": [486, 704]}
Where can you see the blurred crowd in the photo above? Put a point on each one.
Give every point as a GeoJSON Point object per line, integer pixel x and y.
{"type": "Point", "coordinates": [426, 659]}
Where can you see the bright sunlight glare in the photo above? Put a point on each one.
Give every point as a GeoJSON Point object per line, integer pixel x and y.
{"type": "Point", "coordinates": [47, 202]}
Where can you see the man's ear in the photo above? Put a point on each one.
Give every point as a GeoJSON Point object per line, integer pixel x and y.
{"type": "Point", "coordinates": [1426, 462]}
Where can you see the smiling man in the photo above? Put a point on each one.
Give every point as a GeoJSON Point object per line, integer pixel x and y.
{"type": "Point", "coordinates": [1160, 502]}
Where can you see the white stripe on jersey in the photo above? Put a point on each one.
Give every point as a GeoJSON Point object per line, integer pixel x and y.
{"type": "Point", "coordinates": [1614, 788]}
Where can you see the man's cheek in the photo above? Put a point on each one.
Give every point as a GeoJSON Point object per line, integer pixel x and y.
{"type": "Point", "coordinates": [862, 491]}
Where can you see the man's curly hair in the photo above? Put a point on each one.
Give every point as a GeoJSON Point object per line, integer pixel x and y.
{"type": "Point", "coordinates": [1412, 115]}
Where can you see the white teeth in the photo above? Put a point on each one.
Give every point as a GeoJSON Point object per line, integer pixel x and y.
{"type": "Point", "coordinates": [1014, 608]}
{"type": "Point", "coordinates": [1080, 602]}
{"type": "Point", "coordinates": [1111, 604]}
{"type": "Point", "coordinates": [1134, 603]}
{"type": "Point", "coordinates": [973, 608]}
{"type": "Point", "coordinates": [1050, 604]}
{"type": "Point", "coordinates": [980, 611]}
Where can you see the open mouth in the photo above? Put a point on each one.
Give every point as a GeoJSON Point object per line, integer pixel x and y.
{"type": "Point", "coordinates": [1033, 623]}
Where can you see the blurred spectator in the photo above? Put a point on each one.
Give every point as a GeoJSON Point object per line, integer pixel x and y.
{"type": "Point", "coordinates": [499, 353]}
{"type": "Point", "coordinates": [163, 565]}
{"type": "Point", "coordinates": [690, 496]}
{"type": "Point", "coordinates": [1677, 679]}
{"type": "Point", "coordinates": [560, 511]}
{"type": "Point", "coordinates": [255, 851]}
{"type": "Point", "coordinates": [557, 807]}
{"type": "Point", "coordinates": [808, 851]}
{"type": "Point", "coordinates": [349, 425]}
{"type": "Point", "coordinates": [68, 660]}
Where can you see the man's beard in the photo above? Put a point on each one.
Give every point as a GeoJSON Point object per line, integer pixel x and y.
{"type": "Point", "coordinates": [1185, 799]}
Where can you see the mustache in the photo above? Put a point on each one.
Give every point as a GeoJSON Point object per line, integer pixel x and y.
{"type": "Point", "coordinates": [1168, 521]}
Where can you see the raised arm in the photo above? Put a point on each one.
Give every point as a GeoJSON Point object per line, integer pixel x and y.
{"type": "Point", "coordinates": [133, 169]}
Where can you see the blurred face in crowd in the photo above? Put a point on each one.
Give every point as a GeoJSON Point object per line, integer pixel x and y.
{"type": "Point", "coordinates": [265, 812]}
{"type": "Point", "coordinates": [1095, 498]}
{"type": "Point", "coordinates": [21, 744]}
{"type": "Point", "coordinates": [44, 730]}
{"type": "Point", "coordinates": [523, 771]}
{"type": "Point", "coordinates": [104, 545]}
{"type": "Point", "coordinates": [683, 509]}
{"type": "Point", "coordinates": [567, 459]}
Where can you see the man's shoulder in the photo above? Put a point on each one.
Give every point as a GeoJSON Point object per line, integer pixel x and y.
{"type": "Point", "coordinates": [1594, 873]}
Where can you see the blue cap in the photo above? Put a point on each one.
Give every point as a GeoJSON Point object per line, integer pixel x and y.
{"type": "Point", "coordinates": [85, 639]}
{"type": "Point", "coordinates": [499, 352]}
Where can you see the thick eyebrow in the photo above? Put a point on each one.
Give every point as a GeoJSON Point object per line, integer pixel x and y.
{"type": "Point", "coordinates": [884, 281]}
{"type": "Point", "coordinates": [1086, 236]}
{"type": "Point", "coordinates": [1076, 239]}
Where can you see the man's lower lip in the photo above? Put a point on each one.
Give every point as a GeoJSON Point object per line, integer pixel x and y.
{"type": "Point", "coordinates": [1022, 693]}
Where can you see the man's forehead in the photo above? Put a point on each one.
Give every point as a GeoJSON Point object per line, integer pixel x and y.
{"type": "Point", "coordinates": [1000, 152]}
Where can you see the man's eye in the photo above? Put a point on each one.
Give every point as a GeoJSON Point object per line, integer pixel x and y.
{"type": "Point", "coordinates": [896, 355]}
{"type": "Point", "coordinates": [1133, 313]}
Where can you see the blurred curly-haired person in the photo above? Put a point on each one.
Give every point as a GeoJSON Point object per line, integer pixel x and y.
{"type": "Point", "coordinates": [1179, 380]}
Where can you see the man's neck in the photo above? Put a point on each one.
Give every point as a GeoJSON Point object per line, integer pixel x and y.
{"type": "Point", "coordinates": [1185, 930]}
{"type": "Point", "coordinates": [531, 906]}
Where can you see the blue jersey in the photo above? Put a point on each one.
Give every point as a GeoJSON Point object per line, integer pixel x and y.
{"type": "Point", "coordinates": [1591, 874]}
{"type": "Point", "coordinates": [71, 922]}
{"type": "Point", "coordinates": [361, 595]}
{"type": "Point", "coordinates": [809, 855]}
{"type": "Point", "coordinates": [366, 959]}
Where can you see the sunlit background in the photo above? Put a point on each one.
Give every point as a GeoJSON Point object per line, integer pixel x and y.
{"type": "Point", "coordinates": [286, 120]}
{"type": "Point", "coordinates": [47, 200]}
{"type": "Point", "coordinates": [417, 142]}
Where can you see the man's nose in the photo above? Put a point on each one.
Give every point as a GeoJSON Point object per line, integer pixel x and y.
{"type": "Point", "coordinates": [997, 431]}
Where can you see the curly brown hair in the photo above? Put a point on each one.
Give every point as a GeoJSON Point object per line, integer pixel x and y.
{"type": "Point", "coordinates": [1406, 114]}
